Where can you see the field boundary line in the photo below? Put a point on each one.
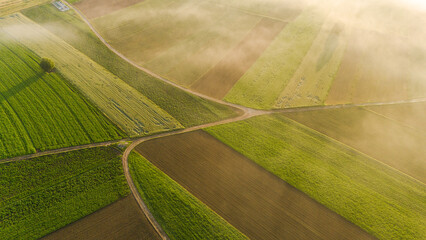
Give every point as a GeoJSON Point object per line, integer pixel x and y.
{"type": "Point", "coordinates": [357, 151]}
{"type": "Point", "coordinates": [62, 150]}
{"type": "Point", "coordinates": [240, 107]}
{"type": "Point", "coordinates": [149, 72]}
{"type": "Point", "coordinates": [246, 114]}
{"type": "Point", "coordinates": [392, 119]}
{"type": "Point", "coordinates": [129, 149]}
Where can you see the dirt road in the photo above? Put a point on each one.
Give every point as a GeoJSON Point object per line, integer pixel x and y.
{"type": "Point", "coordinates": [247, 113]}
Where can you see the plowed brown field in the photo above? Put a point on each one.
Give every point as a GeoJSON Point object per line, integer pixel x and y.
{"type": "Point", "coordinates": [97, 8]}
{"type": "Point", "coordinates": [220, 79]}
{"type": "Point", "coordinates": [256, 202]}
{"type": "Point", "coordinates": [120, 220]}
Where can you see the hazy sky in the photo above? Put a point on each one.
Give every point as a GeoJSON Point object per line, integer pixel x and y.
{"type": "Point", "coordinates": [416, 3]}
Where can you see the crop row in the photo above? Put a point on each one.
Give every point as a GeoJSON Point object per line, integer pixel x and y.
{"type": "Point", "coordinates": [39, 111]}
{"type": "Point", "coordinates": [180, 214]}
{"type": "Point", "coordinates": [125, 106]}
{"type": "Point", "coordinates": [262, 84]}
{"type": "Point", "coordinates": [41, 195]}
{"type": "Point", "coordinates": [379, 199]}
{"type": "Point", "coordinates": [176, 102]}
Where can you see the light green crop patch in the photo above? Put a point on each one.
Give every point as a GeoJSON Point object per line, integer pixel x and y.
{"type": "Point", "coordinates": [262, 84]}
{"type": "Point", "coordinates": [313, 78]}
{"type": "Point", "coordinates": [179, 104]}
{"type": "Point", "coordinates": [39, 111]}
{"type": "Point", "coordinates": [129, 109]}
{"type": "Point", "coordinates": [379, 199]}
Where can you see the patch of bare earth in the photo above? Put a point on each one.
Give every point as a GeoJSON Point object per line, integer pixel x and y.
{"type": "Point", "coordinates": [98, 8]}
{"type": "Point", "coordinates": [221, 78]}
{"type": "Point", "coordinates": [120, 220]}
{"type": "Point", "coordinates": [256, 202]}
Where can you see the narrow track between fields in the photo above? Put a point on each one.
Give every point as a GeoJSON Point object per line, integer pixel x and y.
{"type": "Point", "coordinates": [246, 113]}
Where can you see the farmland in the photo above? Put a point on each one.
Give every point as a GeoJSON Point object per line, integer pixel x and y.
{"type": "Point", "coordinates": [11, 6]}
{"type": "Point", "coordinates": [129, 109]}
{"type": "Point", "coordinates": [41, 195]}
{"type": "Point", "coordinates": [318, 58]}
{"type": "Point", "coordinates": [262, 84]}
{"type": "Point", "coordinates": [97, 8]}
{"type": "Point", "coordinates": [179, 104]}
{"type": "Point", "coordinates": [181, 45]}
{"type": "Point", "coordinates": [257, 203]}
{"type": "Point", "coordinates": [312, 80]}
{"type": "Point", "coordinates": [410, 114]}
{"type": "Point", "coordinates": [220, 79]}
{"type": "Point", "coordinates": [40, 111]}
{"type": "Point", "coordinates": [122, 219]}
{"type": "Point", "coordinates": [379, 67]}
{"type": "Point", "coordinates": [181, 215]}
{"type": "Point", "coordinates": [379, 199]}
{"type": "Point", "coordinates": [284, 10]}
{"type": "Point", "coordinates": [242, 119]}
{"type": "Point", "coordinates": [365, 131]}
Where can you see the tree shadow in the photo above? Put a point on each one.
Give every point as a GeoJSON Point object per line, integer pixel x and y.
{"type": "Point", "coordinates": [19, 87]}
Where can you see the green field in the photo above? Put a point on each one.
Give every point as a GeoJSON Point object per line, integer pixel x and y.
{"type": "Point", "coordinates": [180, 214]}
{"type": "Point", "coordinates": [39, 111]}
{"type": "Point", "coordinates": [41, 195]}
{"type": "Point", "coordinates": [313, 78]}
{"type": "Point", "coordinates": [394, 143]}
{"type": "Point", "coordinates": [176, 102]}
{"type": "Point", "coordinates": [129, 109]}
{"type": "Point", "coordinates": [381, 200]}
{"type": "Point", "coordinates": [263, 83]}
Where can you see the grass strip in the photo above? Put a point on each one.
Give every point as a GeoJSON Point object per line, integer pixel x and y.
{"type": "Point", "coordinates": [181, 215]}
{"type": "Point", "coordinates": [41, 195]}
{"type": "Point", "coordinates": [379, 199]}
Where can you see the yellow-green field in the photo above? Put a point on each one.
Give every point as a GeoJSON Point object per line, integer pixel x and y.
{"type": "Point", "coordinates": [40, 111]}
{"type": "Point", "coordinates": [383, 201]}
{"type": "Point", "coordinates": [396, 144]}
{"type": "Point", "coordinates": [179, 104]}
{"type": "Point", "coordinates": [313, 78]}
{"type": "Point", "coordinates": [128, 108]}
{"type": "Point", "coordinates": [360, 52]}
{"type": "Point", "coordinates": [261, 85]}
{"type": "Point", "coordinates": [12, 6]}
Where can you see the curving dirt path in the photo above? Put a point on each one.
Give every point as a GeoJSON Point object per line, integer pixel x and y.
{"type": "Point", "coordinates": [247, 113]}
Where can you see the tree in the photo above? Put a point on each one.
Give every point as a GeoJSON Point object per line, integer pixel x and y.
{"type": "Point", "coordinates": [47, 64]}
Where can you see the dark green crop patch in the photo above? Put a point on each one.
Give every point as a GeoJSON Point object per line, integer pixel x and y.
{"type": "Point", "coordinates": [41, 195]}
